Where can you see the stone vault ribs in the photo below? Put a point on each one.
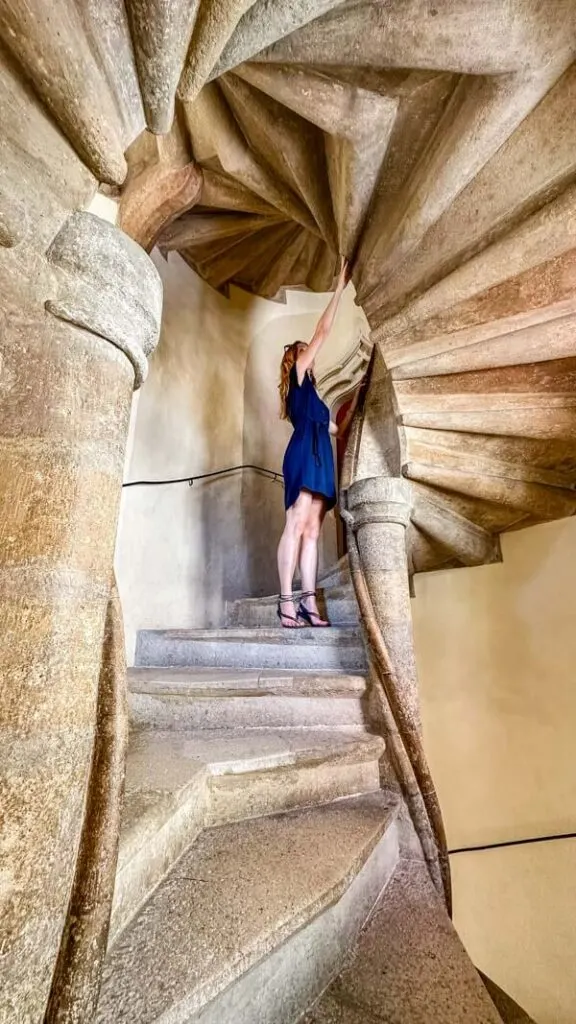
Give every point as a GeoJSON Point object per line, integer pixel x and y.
{"type": "Point", "coordinates": [430, 142]}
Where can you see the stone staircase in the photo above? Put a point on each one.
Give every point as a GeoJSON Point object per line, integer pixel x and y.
{"type": "Point", "coordinates": [261, 864]}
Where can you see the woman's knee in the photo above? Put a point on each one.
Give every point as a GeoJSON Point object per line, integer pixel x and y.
{"type": "Point", "coordinates": [312, 527]}
{"type": "Point", "coordinates": [296, 521]}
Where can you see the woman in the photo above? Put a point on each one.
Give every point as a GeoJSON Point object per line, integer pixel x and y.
{"type": "Point", "coordinates": [309, 484]}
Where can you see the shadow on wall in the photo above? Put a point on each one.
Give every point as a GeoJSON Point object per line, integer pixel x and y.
{"type": "Point", "coordinates": [180, 550]}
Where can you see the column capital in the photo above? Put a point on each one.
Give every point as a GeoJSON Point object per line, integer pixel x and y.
{"type": "Point", "coordinates": [105, 283]}
{"type": "Point", "coordinates": [379, 499]}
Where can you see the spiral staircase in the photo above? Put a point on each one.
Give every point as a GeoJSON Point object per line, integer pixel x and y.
{"type": "Point", "coordinates": [432, 144]}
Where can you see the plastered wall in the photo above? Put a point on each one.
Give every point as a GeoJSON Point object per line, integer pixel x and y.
{"type": "Point", "coordinates": [496, 651]}
{"type": "Point", "coordinates": [211, 401]}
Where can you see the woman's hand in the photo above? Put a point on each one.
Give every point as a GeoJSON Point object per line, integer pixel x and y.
{"type": "Point", "coordinates": [307, 357]}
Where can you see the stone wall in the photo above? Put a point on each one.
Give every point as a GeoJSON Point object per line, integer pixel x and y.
{"type": "Point", "coordinates": [496, 649]}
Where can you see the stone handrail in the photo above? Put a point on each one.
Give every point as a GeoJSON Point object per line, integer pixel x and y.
{"type": "Point", "coordinates": [399, 720]}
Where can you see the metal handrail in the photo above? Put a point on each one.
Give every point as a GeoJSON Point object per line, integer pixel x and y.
{"type": "Point", "coordinates": [271, 474]}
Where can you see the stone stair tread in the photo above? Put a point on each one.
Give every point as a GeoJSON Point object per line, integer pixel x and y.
{"type": "Point", "coordinates": [337, 649]}
{"type": "Point", "coordinates": [339, 589]}
{"type": "Point", "coordinates": [156, 785]}
{"type": "Point", "coordinates": [231, 900]}
{"type": "Point", "coordinates": [409, 966]}
{"type": "Point", "coordinates": [167, 755]}
{"type": "Point", "coordinates": [200, 681]}
{"type": "Point", "coordinates": [334, 635]}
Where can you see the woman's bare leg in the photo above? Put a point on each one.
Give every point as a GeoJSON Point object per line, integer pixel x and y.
{"type": "Point", "coordinates": [288, 548]}
{"type": "Point", "coordinates": [309, 555]}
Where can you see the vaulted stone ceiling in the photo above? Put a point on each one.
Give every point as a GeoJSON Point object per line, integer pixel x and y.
{"type": "Point", "coordinates": [432, 141]}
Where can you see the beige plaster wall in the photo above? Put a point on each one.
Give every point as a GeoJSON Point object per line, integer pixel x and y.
{"type": "Point", "coordinates": [180, 551]}
{"type": "Point", "coordinates": [210, 401]}
{"type": "Point", "coordinates": [496, 651]}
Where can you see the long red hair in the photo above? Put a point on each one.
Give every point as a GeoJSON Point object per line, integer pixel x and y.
{"type": "Point", "coordinates": [288, 360]}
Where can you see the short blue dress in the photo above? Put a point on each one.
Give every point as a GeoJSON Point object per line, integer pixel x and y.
{"type": "Point", "coordinates": [308, 462]}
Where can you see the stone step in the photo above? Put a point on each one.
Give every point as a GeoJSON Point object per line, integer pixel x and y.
{"type": "Point", "coordinates": [409, 966]}
{"type": "Point", "coordinates": [254, 920]}
{"type": "Point", "coordinates": [165, 805]}
{"type": "Point", "coordinates": [337, 603]}
{"type": "Point", "coordinates": [335, 649]}
{"type": "Point", "coordinates": [179, 782]}
{"type": "Point", "coordinates": [175, 698]}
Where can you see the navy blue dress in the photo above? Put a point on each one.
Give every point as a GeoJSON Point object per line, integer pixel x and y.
{"type": "Point", "coordinates": [308, 462]}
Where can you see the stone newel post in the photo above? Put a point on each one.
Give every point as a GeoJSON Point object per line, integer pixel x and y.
{"type": "Point", "coordinates": [380, 509]}
{"type": "Point", "coordinates": [77, 324]}
{"type": "Point", "coordinates": [378, 512]}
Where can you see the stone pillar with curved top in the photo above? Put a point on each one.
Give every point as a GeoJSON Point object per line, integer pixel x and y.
{"type": "Point", "coordinates": [78, 324]}
{"type": "Point", "coordinates": [380, 509]}
{"type": "Point", "coordinates": [378, 512]}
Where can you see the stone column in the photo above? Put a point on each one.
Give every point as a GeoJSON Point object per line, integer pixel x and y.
{"type": "Point", "coordinates": [380, 509]}
{"type": "Point", "coordinates": [78, 324]}
{"type": "Point", "coordinates": [378, 512]}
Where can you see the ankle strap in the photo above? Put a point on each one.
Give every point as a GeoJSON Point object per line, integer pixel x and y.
{"type": "Point", "coordinates": [285, 597]}
{"type": "Point", "coordinates": [307, 593]}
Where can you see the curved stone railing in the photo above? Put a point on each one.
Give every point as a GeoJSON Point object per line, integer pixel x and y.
{"type": "Point", "coordinates": [377, 511]}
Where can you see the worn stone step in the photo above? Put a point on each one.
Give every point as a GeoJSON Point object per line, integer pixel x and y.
{"type": "Point", "coordinates": [254, 920]}
{"type": "Point", "coordinates": [336, 649]}
{"type": "Point", "coordinates": [175, 698]}
{"type": "Point", "coordinates": [178, 782]}
{"type": "Point", "coordinates": [338, 603]}
{"type": "Point", "coordinates": [165, 804]}
{"type": "Point", "coordinates": [409, 966]}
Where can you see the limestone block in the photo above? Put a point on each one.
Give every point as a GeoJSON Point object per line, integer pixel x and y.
{"type": "Point", "coordinates": [161, 35]}
{"type": "Point", "coordinates": [50, 44]}
{"type": "Point", "coordinates": [106, 284]}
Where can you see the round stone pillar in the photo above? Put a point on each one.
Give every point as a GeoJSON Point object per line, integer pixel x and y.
{"type": "Point", "coordinates": [380, 508]}
{"type": "Point", "coordinates": [378, 512]}
{"type": "Point", "coordinates": [78, 323]}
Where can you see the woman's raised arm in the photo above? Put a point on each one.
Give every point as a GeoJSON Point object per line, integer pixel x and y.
{"type": "Point", "coordinates": [323, 327]}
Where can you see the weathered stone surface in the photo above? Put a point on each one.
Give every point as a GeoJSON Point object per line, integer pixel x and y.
{"type": "Point", "coordinates": [338, 649]}
{"type": "Point", "coordinates": [61, 462]}
{"type": "Point", "coordinates": [76, 981]}
{"type": "Point", "coordinates": [235, 899]}
{"type": "Point", "coordinates": [106, 284]}
{"type": "Point", "coordinates": [263, 23]}
{"type": "Point", "coordinates": [215, 23]}
{"type": "Point", "coordinates": [377, 512]}
{"type": "Point", "coordinates": [42, 177]}
{"type": "Point", "coordinates": [161, 35]}
{"type": "Point", "coordinates": [487, 41]}
{"type": "Point", "coordinates": [162, 183]}
{"type": "Point", "coordinates": [52, 48]}
{"type": "Point", "coordinates": [409, 967]}
{"type": "Point", "coordinates": [108, 30]}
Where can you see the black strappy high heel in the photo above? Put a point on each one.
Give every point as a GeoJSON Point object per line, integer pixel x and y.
{"type": "Point", "coordinates": [303, 612]}
{"type": "Point", "coordinates": [287, 599]}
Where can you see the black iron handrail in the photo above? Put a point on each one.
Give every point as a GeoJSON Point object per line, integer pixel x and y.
{"type": "Point", "coordinates": [513, 842]}
{"type": "Point", "coordinates": [271, 474]}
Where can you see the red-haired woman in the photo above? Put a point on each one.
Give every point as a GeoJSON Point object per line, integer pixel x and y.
{"type": "Point", "coordinates": [309, 484]}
